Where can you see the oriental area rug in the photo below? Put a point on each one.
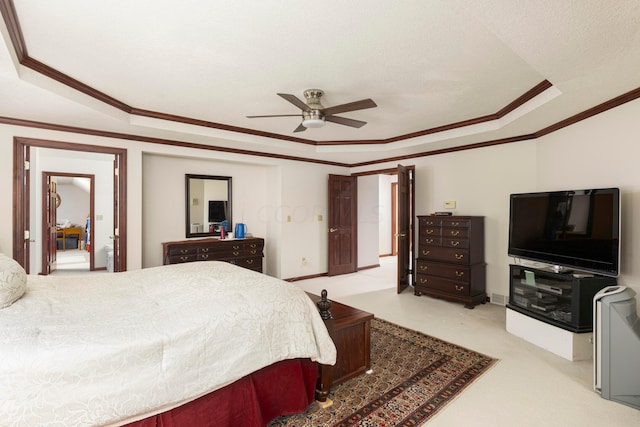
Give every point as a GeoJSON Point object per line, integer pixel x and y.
{"type": "Point", "coordinates": [414, 376]}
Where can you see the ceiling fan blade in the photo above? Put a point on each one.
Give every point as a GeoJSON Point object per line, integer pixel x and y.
{"type": "Point", "coordinates": [295, 101]}
{"type": "Point", "coordinates": [275, 115]}
{"type": "Point", "coordinates": [300, 128]}
{"type": "Point", "coordinates": [351, 106]}
{"type": "Point", "coordinates": [344, 121]}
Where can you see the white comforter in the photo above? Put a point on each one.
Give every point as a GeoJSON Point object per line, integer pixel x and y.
{"type": "Point", "coordinates": [109, 348]}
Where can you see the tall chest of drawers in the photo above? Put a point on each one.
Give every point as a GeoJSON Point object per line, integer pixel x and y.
{"type": "Point", "coordinates": [245, 253]}
{"type": "Point", "coordinates": [450, 262]}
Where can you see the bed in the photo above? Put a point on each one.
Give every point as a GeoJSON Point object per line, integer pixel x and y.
{"type": "Point", "coordinates": [198, 341]}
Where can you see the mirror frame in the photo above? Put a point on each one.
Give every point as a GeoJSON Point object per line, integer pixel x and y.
{"type": "Point", "coordinates": [187, 211]}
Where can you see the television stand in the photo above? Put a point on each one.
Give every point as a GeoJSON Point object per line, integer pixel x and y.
{"type": "Point", "coordinates": [560, 269]}
{"type": "Point", "coordinates": [550, 309]}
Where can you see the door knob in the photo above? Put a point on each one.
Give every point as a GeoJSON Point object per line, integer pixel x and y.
{"type": "Point", "coordinates": [333, 230]}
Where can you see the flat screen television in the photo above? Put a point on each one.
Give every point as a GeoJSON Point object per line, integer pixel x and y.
{"type": "Point", "coordinates": [577, 229]}
{"type": "Point", "coordinates": [217, 210]}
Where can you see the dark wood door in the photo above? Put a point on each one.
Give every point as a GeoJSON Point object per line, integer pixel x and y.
{"type": "Point", "coordinates": [342, 231]}
{"type": "Point", "coordinates": [404, 234]}
{"type": "Point", "coordinates": [117, 266]}
{"type": "Point", "coordinates": [49, 223]}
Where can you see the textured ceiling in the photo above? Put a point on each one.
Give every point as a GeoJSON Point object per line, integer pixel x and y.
{"type": "Point", "coordinates": [197, 68]}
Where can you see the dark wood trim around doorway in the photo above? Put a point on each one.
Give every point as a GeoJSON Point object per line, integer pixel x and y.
{"type": "Point", "coordinates": [21, 197]}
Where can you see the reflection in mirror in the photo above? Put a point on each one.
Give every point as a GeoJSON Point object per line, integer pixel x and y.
{"type": "Point", "coordinates": [208, 204]}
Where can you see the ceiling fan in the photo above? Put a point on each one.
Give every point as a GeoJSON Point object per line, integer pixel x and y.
{"type": "Point", "coordinates": [314, 115]}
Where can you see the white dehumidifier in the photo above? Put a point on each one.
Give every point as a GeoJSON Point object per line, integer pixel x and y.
{"type": "Point", "coordinates": [616, 350]}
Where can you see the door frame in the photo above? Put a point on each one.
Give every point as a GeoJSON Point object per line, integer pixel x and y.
{"type": "Point", "coordinates": [394, 218]}
{"type": "Point", "coordinates": [21, 193]}
{"type": "Point", "coordinates": [412, 214]}
{"type": "Point", "coordinates": [45, 236]}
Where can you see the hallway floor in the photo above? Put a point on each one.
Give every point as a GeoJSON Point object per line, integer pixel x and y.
{"type": "Point", "coordinates": [71, 261]}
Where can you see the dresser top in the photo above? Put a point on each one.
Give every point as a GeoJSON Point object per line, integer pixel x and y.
{"type": "Point", "coordinates": [209, 240]}
{"type": "Point", "coordinates": [449, 216]}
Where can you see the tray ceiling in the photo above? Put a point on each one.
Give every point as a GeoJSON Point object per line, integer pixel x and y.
{"type": "Point", "coordinates": [442, 73]}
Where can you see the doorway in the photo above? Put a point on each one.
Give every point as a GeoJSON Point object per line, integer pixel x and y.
{"type": "Point", "coordinates": [373, 210]}
{"type": "Point", "coordinates": [27, 210]}
{"type": "Point", "coordinates": [68, 203]}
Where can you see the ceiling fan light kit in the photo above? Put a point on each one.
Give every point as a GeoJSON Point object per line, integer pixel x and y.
{"type": "Point", "coordinates": [313, 119]}
{"type": "Point", "coordinates": [315, 115]}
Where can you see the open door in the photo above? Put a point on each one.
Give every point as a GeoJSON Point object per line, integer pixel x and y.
{"type": "Point", "coordinates": [342, 236]}
{"type": "Point", "coordinates": [49, 223]}
{"type": "Point", "coordinates": [117, 265]}
{"type": "Point", "coordinates": [405, 226]}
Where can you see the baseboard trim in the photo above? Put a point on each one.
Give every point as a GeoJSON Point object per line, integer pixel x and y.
{"type": "Point", "coordinates": [368, 267]}
{"type": "Point", "coordinates": [313, 276]}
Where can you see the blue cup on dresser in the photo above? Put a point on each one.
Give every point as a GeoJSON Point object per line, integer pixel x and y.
{"type": "Point", "coordinates": [240, 230]}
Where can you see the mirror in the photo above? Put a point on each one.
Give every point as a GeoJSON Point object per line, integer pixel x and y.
{"type": "Point", "coordinates": [208, 203]}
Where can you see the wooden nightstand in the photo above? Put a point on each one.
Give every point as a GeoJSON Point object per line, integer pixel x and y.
{"type": "Point", "coordinates": [350, 329]}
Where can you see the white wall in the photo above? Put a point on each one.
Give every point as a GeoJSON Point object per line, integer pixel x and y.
{"type": "Point", "coordinates": [480, 182]}
{"type": "Point", "coordinates": [598, 152]}
{"type": "Point", "coordinates": [281, 201]}
{"type": "Point", "coordinates": [602, 151]}
{"type": "Point", "coordinates": [163, 197]}
{"type": "Point", "coordinates": [304, 198]}
{"type": "Point", "coordinates": [74, 204]}
{"type": "Point", "coordinates": [385, 213]}
{"type": "Point", "coordinates": [368, 220]}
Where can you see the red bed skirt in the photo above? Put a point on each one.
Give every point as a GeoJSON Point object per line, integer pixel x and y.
{"type": "Point", "coordinates": [283, 388]}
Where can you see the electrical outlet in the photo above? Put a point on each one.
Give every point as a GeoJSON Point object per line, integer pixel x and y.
{"type": "Point", "coordinates": [304, 261]}
{"type": "Point", "coordinates": [288, 218]}
{"type": "Point", "coordinates": [450, 204]}
{"type": "Point", "coordinates": [319, 217]}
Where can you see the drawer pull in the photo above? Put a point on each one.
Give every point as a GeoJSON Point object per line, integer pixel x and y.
{"type": "Point", "coordinates": [236, 247]}
{"type": "Point", "coordinates": [425, 252]}
{"type": "Point", "coordinates": [459, 256]}
{"type": "Point", "coordinates": [455, 243]}
{"type": "Point", "coordinates": [184, 258]}
{"type": "Point", "coordinates": [455, 232]}
{"type": "Point", "coordinates": [459, 273]}
{"type": "Point", "coordinates": [430, 222]}
{"type": "Point", "coordinates": [430, 231]}
{"type": "Point", "coordinates": [253, 252]}
{"type": "Point", "coordinates": [249, 261]}
{"type": "Point", "coordinates": [423, 281]}
{"type": "Point", "coordinates": [423, 268]}
{"type": "Point", "coordinates": [253, 245]}
{"type": "Point", "coordinates": [429, 240]}
{"type": "Point", "coordinates": [205, 256]}
{"type": "Point", "coordinates": [184, 251]}
{"type": "Point", "coordinates": [236, 253]}
{"type": "Point", "coordinates": [204, 249]}
{"type": "Point", "coordinates": [455, 224]}
{"type": "Point", "coordinates": [459, 288]}
{"type": "Point", "coordinates": [232, 262]}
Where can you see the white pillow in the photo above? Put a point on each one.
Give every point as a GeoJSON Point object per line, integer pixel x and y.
{"type": "Point", "coordinates": [13, 281]}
